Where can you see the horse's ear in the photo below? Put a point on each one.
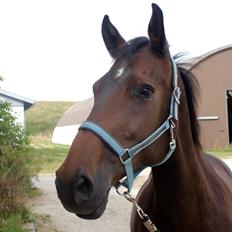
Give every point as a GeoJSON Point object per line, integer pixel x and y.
{"type": "Point", "coordinates": [113, 40]}
{"type": "Point", "coordinates": [156, 32]}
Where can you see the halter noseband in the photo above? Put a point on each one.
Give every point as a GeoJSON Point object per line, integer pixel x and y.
{"type": "Point", "coordinates": [126, 154]}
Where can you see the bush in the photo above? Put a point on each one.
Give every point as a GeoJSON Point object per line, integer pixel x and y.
{"type": "Point", "coordinates": [16, 169]}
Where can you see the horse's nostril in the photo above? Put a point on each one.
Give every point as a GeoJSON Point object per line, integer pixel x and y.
{"type": "Point", "coordinates": [82, 189]}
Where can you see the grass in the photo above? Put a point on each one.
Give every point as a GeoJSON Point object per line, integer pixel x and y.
{"type": "Point", "coordinates": [223, 152]}
{"type": "Point", "coordinates": [41, 120]}
{"type": "Point", "coordinates": [49, 155]}
{"type": "Point", "coordinates": [16, 222]}
{"type": "Point", "coordinates": [13, 224]}
{"type": "Point", "coordinates": [43, 116]}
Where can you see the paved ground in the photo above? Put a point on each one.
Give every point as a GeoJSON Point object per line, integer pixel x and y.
{"type": "Point", "coordinates": [115, 219]}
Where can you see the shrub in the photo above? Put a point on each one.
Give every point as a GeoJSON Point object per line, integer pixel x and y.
{"type": "Point", "coordinates": [16, 169]}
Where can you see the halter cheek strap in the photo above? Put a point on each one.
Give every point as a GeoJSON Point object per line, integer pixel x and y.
{"type": "Point", "coordinates": [126, 154]}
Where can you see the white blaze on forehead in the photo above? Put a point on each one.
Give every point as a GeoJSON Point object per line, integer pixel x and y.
{"type": "Point", "coordinates": [119, 72]}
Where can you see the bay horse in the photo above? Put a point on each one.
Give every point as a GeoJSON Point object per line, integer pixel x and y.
{"type": "Point", "coordinates": [145, 114]}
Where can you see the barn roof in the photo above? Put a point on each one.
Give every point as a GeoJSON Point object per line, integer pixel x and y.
{"type": "Point", "coordinates": [76, 114]}
{"type": "Point", "coordinates": [189, 63]}
{"type": "Point", "coordinates": [26, 101]}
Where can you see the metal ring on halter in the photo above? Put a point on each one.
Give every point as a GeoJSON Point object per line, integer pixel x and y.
{"type": "Point", "coordinates": [127, 154]}
{"type": "Point", "coordinates": [118, 186]}
{"type": "Point", "coordinates": [173, 125]}
{"type": "Point", "coordinates": [173, 143]}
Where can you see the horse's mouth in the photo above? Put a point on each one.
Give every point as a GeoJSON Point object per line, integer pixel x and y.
{"type": "Point", "coordinates": [97, 212]}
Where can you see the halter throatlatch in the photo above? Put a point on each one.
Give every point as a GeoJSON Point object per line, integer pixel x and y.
{"type": "Point", "coordinates": [126, 154]}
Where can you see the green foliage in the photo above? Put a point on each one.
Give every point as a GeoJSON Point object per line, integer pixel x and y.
{"type": "Point", "coordinates": [13, 223]}
{"type": "Point", "coordinates": [16, 221]}
{"type": "Point", "coordinates": [12, 134]}
{"type": "Point", "coordinates": [16, 166]}
{"type": "Point", "coordinates": [42, 118]}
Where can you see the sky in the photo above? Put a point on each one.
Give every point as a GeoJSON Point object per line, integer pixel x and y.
{"type": "Point", "coordinates": [53, 50]}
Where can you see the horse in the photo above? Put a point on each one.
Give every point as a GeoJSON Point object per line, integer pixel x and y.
{"type": "Point", "coordinates": [145, 114]}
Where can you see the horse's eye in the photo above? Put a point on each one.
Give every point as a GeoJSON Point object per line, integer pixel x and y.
{"type": "Point", "coordinates": [145, 91]}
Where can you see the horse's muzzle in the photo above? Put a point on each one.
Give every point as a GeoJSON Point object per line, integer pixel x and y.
{"type": "Point", "coordinates": [82, 189]}
{"type": "Point", "coordinates": [83, 197]}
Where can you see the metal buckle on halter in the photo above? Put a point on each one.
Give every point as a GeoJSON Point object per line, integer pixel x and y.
{"type": "Point", "coordinates": [172, 144]}
{"type": "Point", "coordinates": [172, 124]}
{"type": "Point", "coordinates": [125, 156]}
{"type": "Point", "coordinates": [176, 94]}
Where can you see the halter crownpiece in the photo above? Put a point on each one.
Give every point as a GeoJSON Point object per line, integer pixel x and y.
{"type": "Point", "coordinates": [126, 154]}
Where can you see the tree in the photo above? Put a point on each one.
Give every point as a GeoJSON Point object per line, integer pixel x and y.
{"type": "Point", "coordinates": [16, 169]}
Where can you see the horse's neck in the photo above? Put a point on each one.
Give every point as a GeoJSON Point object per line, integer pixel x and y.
{"type": "Point", "coordinates": [180, 183]}
{"type": "Point", "coordinates": [183, 174]}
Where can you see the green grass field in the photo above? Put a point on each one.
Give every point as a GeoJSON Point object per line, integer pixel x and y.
{"type": "Point", "coordinates": [42, 118]}
{"type": "Point", "coordinates": [49, 155]}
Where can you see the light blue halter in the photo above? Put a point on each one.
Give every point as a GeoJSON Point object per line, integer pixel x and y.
{"type": "Point", "coordinates": [126, 154]}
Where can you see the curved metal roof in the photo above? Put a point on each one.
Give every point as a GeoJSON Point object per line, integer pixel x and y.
{"type": "Point", "coordinates": [77, 113]}
{"type": "Point", "coordinates": [189, 63]}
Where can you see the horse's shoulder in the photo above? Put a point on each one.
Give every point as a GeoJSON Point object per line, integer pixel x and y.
{"type": "Point", "coordinates": [219, 175]}
{"type": "Point", "coordinates": [217, 164]}
{"type": "Point", "coordinates": [219, 189]}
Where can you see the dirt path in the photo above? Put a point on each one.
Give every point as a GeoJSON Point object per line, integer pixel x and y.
{"type": "Point", "coordinates": [116, 218]}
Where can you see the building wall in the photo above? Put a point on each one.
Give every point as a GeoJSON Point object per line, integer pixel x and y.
{"type": "Point", "coordinates": [64, 134]}
{"type": "Point", "coordinates": [215, 77]}
{"type": "Point", "coordinates": [17, 109]}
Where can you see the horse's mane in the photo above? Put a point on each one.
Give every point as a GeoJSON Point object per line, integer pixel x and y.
{"type": "Point", "coordinates": [190, 83]}
{"type": "Point", "coordinates": [192, 91]}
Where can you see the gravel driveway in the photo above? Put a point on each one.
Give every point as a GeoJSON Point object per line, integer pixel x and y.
{"type": "Point", "coordinates": [116, 218]}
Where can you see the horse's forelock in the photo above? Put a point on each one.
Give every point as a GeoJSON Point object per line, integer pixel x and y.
{"type": "Point", "coordinates": [131, 47]}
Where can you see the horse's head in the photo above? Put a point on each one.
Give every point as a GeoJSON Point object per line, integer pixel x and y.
{"type": "Point", "coordinates": [130, 102]}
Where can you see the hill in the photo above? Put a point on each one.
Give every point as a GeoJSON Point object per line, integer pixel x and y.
{"type": "Point", "coordinates": [42, 118]}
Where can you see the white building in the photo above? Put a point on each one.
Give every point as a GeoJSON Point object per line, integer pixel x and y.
{"type": "Point", "coordinates": [67, 127]}
{"type": "Point", "coordinates": [19, 104]}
